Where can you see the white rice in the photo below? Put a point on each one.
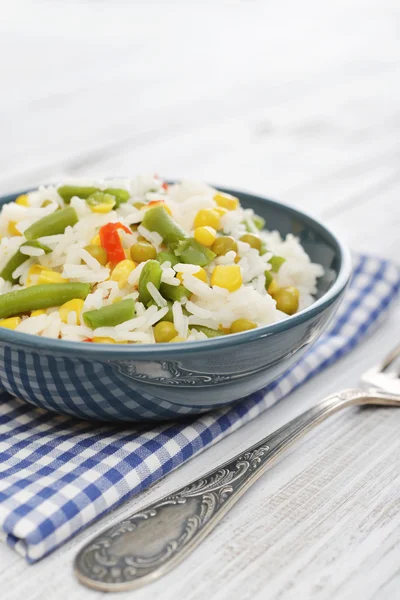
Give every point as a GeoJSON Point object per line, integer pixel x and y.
{"type": "Point", "coordinates": [155, 294]}
{"type": "Point", "coordinates": [31, 251]}
{"type": "Point", "coordinates": [151, 236]}
{"type": "Point", "coordinates": [209, 306]}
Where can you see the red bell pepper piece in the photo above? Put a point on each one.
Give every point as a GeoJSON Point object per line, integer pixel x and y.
{"type": "Point", "coordinates": [111, 242]}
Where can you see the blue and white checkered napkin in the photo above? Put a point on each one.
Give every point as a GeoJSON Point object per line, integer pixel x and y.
{"type": "Point", "coordinates": [58, 474]}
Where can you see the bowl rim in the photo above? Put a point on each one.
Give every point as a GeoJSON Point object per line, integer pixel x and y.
{"type": "Point", "coordinates": [140, 351]}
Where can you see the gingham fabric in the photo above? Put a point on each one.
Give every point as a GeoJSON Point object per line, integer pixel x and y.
{"type": "Point", "coordinates": [58, 474]}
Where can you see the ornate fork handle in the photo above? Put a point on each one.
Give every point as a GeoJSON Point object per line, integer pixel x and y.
{"type": "Point", "coordinates": [148, 544]}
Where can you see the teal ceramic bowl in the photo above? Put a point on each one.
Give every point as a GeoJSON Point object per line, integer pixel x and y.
{"type": "Point", "coordinates": [158, 382]}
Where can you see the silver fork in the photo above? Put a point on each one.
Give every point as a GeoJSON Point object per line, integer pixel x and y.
{"type": "Point", "coordinates": [145, 546]}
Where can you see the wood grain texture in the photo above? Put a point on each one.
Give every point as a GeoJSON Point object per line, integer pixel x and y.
{"type": "Point", "coordinates": [298, 101]}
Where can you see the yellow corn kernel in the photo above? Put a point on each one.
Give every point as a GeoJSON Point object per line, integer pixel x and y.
{"type": "Point", "coordinates": [33, 271]}
{"type": "Point", "coordinates": [102, 209]}
{"type": "Point", "coordinates": [75, 305]}
{"type": "Point", "coordinates": [12, 230]}
{"type": "Point", "coordinates": [273, 288]}
{"type": "Point", "coordinates": [122, 271]}
{"type": "Point", "coordinates": [221, 211]}
{"type": "Point", "coordinates": [200, 274]}
{"type": "Point", "coordinates": [206, 236]}
{"type": "Point", "coordinates": [106, 340]}
{"type": "Point", "coordinates": [226, 201]}
{"type": "Point", "coordinates": [47, 203]}
{"type": "Point", "coordinates": [227, 276]}
{"type": "Point", "coordinates": [49, 276]}
{"type": "Point", "coordinates": [177, 338]}
{"type": "Point", "coordinates": [11, 323]}
{"type": "Point", "coordinates": [224, 329]}
{"type": "Point", "coordinates": [207, 217]}
{"type": "Point", "coordinates": [95, 240]}
{"type": "Point", "coordinates": [22, 200]}
{"type": "Point", "coordinates": [37, 312]}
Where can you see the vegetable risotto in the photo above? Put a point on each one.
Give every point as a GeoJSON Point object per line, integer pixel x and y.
{"type": "Point", "coordinates": [141, 261]}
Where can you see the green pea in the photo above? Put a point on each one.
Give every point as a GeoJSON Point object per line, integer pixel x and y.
{"type": "Point", "coordinates": [142, 251]}
{"type": "Point", "coordinates": [164, 331]}
{"type": "Point", "coordinates": [223, 245]}
{"type": "Point", "coordinates": [210, 333]}
{"type": "Point", "coordinates": [98, 253]}
{"type": "Point", "coordinates": [253, 240]}
{"type": "Point", "coordinates": [242, 325]}
{"type": "Point", "coordinates": [287, 300]}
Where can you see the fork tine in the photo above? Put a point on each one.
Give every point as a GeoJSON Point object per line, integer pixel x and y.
{"type": "Point", "coordinates": [390, 358]}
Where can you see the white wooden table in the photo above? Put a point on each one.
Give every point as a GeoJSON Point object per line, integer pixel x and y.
{"type": "Point", "coordinates": [296, 100]}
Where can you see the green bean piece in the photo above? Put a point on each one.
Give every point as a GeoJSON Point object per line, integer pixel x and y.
{"type": "Point", "coordinates": [18, 259]}
{"type": "Point", "coordinates": [175, 293]}
{"type": "Point", "coordinates": [157, 219]}
{"type": "Point", "coordinates": [52, 224]}
{"type": "Point", "coordinates": [210, 333]}
{"type": "Point", "coordinates": [69, 191]}
{"type": "Point", "coordinates": [276, 262]}
{"type": "Point", "coordinates": [268, 279]}
{"type": "Point", "coordinates": [164, 256]}
{"type": "Point", "coordinates": [99, 198]}
{"type": "Point", "coordinates": [191, 252]}
{"type": "Point", "coordinates": [121, 196]}
{"type": "Point", "coordinates": [151, 273]}
{"type": "Point", "coordinates": [111, 315]}
{"type": "Point", "coordinates": [258, 222]}
{"type": "Point", "coordinates": [40, 296]}
{"type": "Point", "coordinates": [98, 252]}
